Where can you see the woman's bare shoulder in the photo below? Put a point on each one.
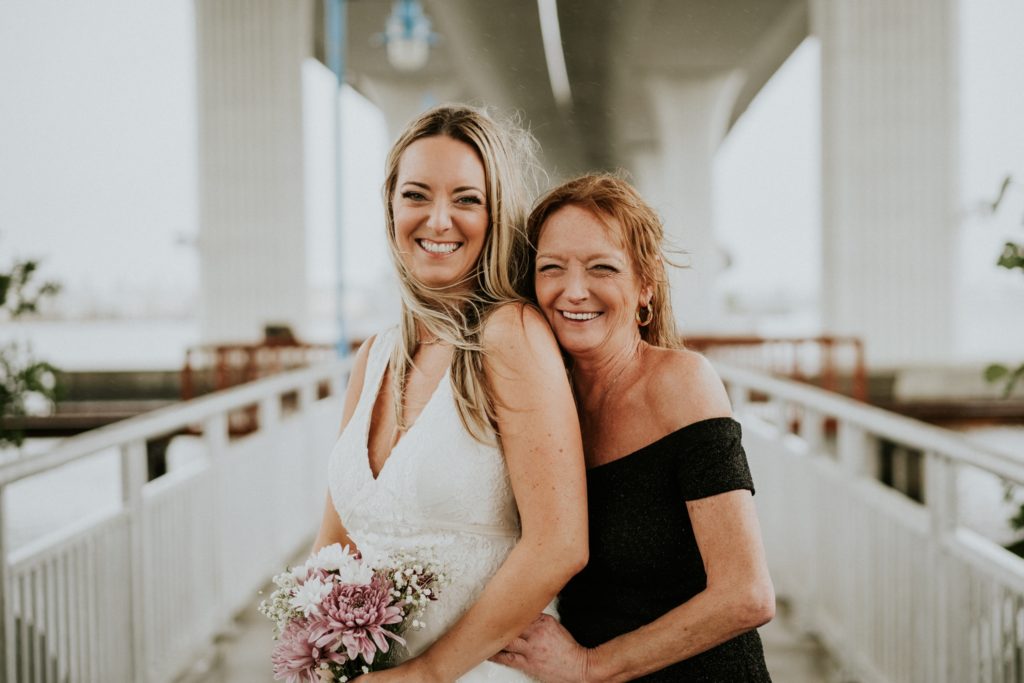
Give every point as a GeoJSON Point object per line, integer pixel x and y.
{"type": "Point", "coordinates": [361, 358]}
{"type": "Point", "coordinates": [356, 377]}
{"type": "Point", "coordinates": [516, 323]}
{"type": "Point", "coordinates": [682, 387]}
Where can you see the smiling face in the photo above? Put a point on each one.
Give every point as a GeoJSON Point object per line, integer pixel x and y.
{"type": "Point", "coordinates": [585, 282]}
{"type": "Point", "coordinates": [440, 211]}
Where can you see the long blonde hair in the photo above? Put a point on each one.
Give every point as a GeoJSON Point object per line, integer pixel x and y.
{"type": "Point", "coordinates": [457, 317]}
{"type": "Point", "coordinates": [638, 227]}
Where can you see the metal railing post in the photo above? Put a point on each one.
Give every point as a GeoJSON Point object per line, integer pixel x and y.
{"type": "Point", "coordinates": [8, 660]}
{"type": "Point", "coordinates": [942, 503]}
{"type": "Point", "coordinates": [739, 396]}
{"type": "Point", "coordinates": [133, 478]}
{"type": "Point", "coordinates": [215, 439]}
{"type": "Point", "coordinates": [854, 450]}
{"type": "Point", "coordinates": [812, 431]}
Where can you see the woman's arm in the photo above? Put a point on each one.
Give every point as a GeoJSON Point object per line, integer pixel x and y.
{"type": "Point", "coordinates": [739, 594]}
{"type": "Point", "coordinates": [543, 451]}
{"type": "Point", "coordinates": [738, 598]}
{"type": "Point", "coordinates": [331, 528]}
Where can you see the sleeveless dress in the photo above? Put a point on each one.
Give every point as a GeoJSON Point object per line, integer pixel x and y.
{"type": "Point", "coordinates": [441, 495]}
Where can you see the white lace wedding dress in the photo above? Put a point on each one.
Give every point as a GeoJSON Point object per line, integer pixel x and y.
{"type": "Point", "coordinates": [440, 495]}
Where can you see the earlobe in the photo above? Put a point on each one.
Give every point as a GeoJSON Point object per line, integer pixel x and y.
{"type": "Point", "coordinates": [644, 313]}
{"type": "Point", "coordinates": [646, 296]}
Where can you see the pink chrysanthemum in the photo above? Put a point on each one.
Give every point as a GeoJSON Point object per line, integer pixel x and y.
{"type": "Point", "coordinates": [356, 616]}
{"type": "Point", "coordinates": [296, 657]}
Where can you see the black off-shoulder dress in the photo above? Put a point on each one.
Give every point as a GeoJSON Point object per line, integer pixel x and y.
{"type": "Point", "coordinates": [644, 559]}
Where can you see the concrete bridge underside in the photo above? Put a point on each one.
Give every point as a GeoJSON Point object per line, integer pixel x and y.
{"type": "Point", "coordinates": [655, 87]}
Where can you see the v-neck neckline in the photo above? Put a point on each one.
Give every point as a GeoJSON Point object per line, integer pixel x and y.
{"type": "Point", "coordinates": [403, 435]}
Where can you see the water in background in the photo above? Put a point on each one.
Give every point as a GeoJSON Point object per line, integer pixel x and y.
{"type": "Point", "coordinates": [106, 344]}
{"type": "Point", "coordinates": [47, 503]}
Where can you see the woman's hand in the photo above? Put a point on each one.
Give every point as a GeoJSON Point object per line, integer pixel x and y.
{"type": "Point", "coordinates": [546, 651]}
{"type": "Point", "coordinates": [385, 676]}
{"type": "Point", "coordinates": [410, 672]}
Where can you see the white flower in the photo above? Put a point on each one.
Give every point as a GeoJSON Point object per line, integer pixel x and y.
{"type": "Point", "coordinates": [299, 572]}
{"type": "Point", "coordinates": [286, 580]}
{"type": "Point", "coordinates": [356, 573]}
{"type": "Point", "coordinates": [330, 558]}
{"type": "Point", "coordinates": [334, 558]}
{"type": "Point", "coordinates": [308, 597]}
{"type": "Point", "coordinates": [374, 558]}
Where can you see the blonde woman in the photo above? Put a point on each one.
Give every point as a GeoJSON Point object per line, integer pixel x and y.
{"type": "Point", "coordinates": [460, 438]}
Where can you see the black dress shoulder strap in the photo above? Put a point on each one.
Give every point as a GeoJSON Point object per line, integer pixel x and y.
{"type": "Point", "coordinates": [709, 458]}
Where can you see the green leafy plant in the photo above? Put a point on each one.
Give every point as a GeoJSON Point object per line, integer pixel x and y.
{"type": "Point", "coordinates": [22, 377]}
{"type": "Point", "coordinates": [1010, 489]}
{"type": "Point", "coordinates": [1011, 258]}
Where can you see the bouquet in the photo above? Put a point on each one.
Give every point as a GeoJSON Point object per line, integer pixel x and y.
{"type": "Point", "coordinates": [338, 615]}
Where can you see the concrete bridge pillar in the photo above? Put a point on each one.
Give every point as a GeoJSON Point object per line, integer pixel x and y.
{"type": "Point", "coordinates": [691, 119]}
{"type": "Point", "coordinates": [889, 174]}
{"type": "Point", "coordinates": [252, 234]}
{"type": "Point", "coordinates": [646, 174]}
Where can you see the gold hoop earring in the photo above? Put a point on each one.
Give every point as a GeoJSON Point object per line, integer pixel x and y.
{"type": "Point", "coordinates": [644, 322]}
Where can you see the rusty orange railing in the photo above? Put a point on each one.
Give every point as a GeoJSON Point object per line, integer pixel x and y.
{"type": "Point", "coordinates": [221, 366]}
{"type": "Point", "coordinates": [227, 365]}
{"type": "Point", "coordinates": [830, 362]}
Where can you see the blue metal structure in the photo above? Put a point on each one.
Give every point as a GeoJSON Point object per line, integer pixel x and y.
{"type": "Point", "coordinates": [334, 44]}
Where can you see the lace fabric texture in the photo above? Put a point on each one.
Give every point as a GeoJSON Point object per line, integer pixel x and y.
{"type": "Point", "coordinates": [441, 495]}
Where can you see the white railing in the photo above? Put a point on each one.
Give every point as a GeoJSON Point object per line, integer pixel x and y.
{"type": "Point", "coordinates": [898, 589]}
{"type": "Point", "coordinates": [139, 592]}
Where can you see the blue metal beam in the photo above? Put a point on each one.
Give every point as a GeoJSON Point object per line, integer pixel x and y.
{"type": "Point", "coordinates": [334, 44]}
